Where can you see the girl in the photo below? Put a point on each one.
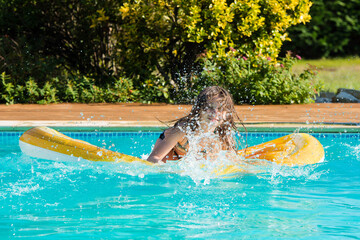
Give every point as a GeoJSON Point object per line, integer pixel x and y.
{"type": "Point", "coordinates": [211, 118]}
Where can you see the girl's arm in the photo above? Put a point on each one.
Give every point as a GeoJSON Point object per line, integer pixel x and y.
{"type": "Point", "coordinates": [163, 146]}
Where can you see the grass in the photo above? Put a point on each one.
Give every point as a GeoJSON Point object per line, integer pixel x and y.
{"type": "Point", "coordinates": [334, 73]}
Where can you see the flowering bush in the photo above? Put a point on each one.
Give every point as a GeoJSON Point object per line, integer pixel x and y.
{"type": "Point", "coordinates": [259, 79]}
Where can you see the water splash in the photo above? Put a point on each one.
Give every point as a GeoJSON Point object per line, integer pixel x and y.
{"type": "Point", "coordinates": [204, 162]}
{"type": "Point", "coordinates": [281, 174]}
{"type": "Point", "coordinates": [354, 150]}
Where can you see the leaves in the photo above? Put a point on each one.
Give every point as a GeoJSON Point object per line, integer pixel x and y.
{"type": "Point", "coordinates": [70, 89]}
{"type": "Point", "coordinates": [333, 31]}
{"type": "Point", "coordinates": [258, 80]}
{"type": "Point", "coordinates": [165, 37]}
{"type": "Point", "coordinates": [154, 45]}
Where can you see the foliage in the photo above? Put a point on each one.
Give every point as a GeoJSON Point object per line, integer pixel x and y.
{"type": "Point", "coordinates": [153, 90]}
{"type": "Point", "coordinates": [109, 51]}
{"type": "Point", "coordinates": [334, 30]}
{"type": "Point", "coordinates": [167, 36]}
{"type": "Point", "coordinates": [114, 51]}
{"type": "Point", "coordinates": [7, 89]}
{"type": "Point", "coordinates": [65, 89]}
{"type": "Point", "coordinates": [22, 60]}
{"type": "Point", "coordinates": [259, 80]}
{"type": "Point", "coordinates": [48, 35]}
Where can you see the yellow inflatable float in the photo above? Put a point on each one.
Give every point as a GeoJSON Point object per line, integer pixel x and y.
{"type": "Point", "coordinates": [292, 150]}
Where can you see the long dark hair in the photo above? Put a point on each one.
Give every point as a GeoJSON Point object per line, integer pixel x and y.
{"type": "Point", "coordinates": [206, 97]}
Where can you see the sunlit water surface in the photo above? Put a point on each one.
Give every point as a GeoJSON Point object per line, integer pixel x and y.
{"type": "Point", "coordinates": [92, 200]}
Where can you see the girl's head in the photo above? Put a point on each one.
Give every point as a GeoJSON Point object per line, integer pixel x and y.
{"type": "Point", "coordinates": [213, 110]}
{"type": "Point", "coordinates": [214, 106]}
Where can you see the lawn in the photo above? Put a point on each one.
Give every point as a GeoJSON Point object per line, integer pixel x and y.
{"type": "Point", "coordinates": [335, 73]}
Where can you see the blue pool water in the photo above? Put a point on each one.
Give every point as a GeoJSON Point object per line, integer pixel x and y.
{"type": "Point", "coordinates": [88, 200]}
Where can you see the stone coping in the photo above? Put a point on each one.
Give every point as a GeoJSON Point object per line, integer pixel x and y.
{"type": "Point", "coordinates": [133, 116]}
{"type": "Point", "coordinates": [158, 126]}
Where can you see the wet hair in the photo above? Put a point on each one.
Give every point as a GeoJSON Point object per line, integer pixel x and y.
{"type": "Point", "coordinates": [205, 99]}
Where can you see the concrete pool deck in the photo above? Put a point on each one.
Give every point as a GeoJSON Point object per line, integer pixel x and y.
{"type": "Point", "coordinates": [326, 116]}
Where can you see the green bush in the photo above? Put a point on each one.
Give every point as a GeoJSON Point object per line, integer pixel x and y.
{"type": "Point", "coordinates": [12, 93]}
{"type": "Point", "coordinates": [258, 79]}
{"type": "Point", "coordinates": [333, 31]}
{"type": "Point", "coordinates": [49, 94]}
{"type": "Point", "coordinates": [153, 90]}
{"type": "Point", "coordinates": [66, 88]}
{"type": "Point", "coordinates": [155, 44]}
{"type": "Point", "coordinates": [7, 89]}
{"type": "Point", "coordinates": [121, 90]}
{"type": "Point", "coordinates": [254, 80]}
{"type": "Point", "coordinates": [164, 37]}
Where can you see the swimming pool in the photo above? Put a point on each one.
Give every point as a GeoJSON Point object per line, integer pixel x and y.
{"type": "Point", "coordinates": [78, 200]}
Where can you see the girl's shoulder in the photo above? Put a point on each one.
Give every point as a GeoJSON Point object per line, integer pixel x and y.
{"type": "Point", "coordinates": [176, 132]}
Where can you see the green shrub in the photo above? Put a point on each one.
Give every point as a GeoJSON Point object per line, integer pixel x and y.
{"type": "Point", "coordinates": [86, 93]}
{"type": "Point", "coordinates": [120, 91]}
{"type": "Point", "coordinates": [110, 51]}
{"type": "Point", "coordinates": [106, 40]}
{"type": "Point", "coordinates": [84, 90]}
{"type": "Point", "coordinates": [66, 88]}
{"type": "Point", "coordinates": [333, 31]}
{"type": "Point", "coordinates": [165, 36]}
{"type": "Point", "coordinates": [48, 94]}
{"type": "Point", "coordinates": [12, 93]}
{"type": "Point", "coordinates": [153, 90]}
{"type": "Point", "coordinates": [258, 79]}
{"type": "Point", "coordinates": [32, 91]}
{"type": "Point", "coordinates": [7, 89]}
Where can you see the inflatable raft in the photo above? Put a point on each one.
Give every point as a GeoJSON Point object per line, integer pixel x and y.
{"type": "Point", "coordinates": [46, 143]}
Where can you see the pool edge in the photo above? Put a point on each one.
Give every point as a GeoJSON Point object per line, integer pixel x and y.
{"type": "Point", "coordinates": [113, 126]}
